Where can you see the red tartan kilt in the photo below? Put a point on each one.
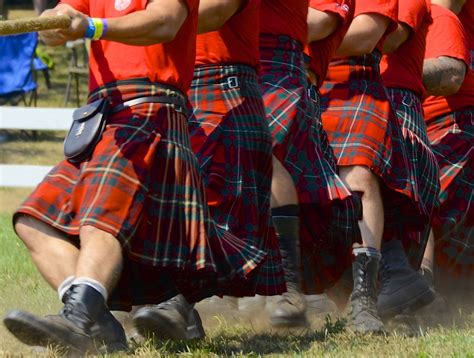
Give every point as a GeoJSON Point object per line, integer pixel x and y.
{"type": "Point", "coordinates": [364, 130]}
{"type": "Point", "coordinates": [142, 185]}
{"type": "Point", "coordinates": [359, 121]}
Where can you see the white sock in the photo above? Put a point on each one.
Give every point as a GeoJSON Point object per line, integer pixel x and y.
{"type": "Point", "coordinates": [96, 285]}
{"type": "Point", "coordinates": [64, 286]}
{"type": "Point", "coordinates": [369, 251]}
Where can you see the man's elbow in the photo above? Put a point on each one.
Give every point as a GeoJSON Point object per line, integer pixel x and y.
{"type": "Point", "coordinates": [163, 34]}
{"type": "Point", "coordinates": [446, 88]}
{"type": "Point", "coordinates": [454, 84]}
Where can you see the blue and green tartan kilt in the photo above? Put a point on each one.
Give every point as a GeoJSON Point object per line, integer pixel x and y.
{"type": "Point", "coordinates": [329, 211]}
{"type": "Point", "coordinates": [452, 139]}
{"type": "Point", "coordinates": [423, 170]}
{"type": "Point", "coordinates": [142, 185]}
{"type": "Point", "coordinates": [233, 145]}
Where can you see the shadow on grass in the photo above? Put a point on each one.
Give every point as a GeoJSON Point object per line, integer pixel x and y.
{"type": "Point", "coordinates": [248, 342]}
{"type": "Point", "coordinates": [32, 135]}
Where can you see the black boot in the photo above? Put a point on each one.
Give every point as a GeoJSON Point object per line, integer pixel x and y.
{"type": "Point", "coordinates": [70, 329]}
{"type": "Point", "coordinates": [402, 287]}
{"type": "Point", "coordinates": [107, 331]}
{"type": "Point", "coordinates": [289, 309]}
{"type": "Point", "coordinates": [364, 315]}
{"type": "Point", "coordinates": [173, 319]}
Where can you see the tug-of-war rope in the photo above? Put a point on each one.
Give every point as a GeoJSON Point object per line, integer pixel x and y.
{"type": "Point", "coordinates": [20, 26]}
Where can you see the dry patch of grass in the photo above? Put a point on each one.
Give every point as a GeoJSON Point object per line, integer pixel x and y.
{"type": "Point", "coordinates": [21, 148]}
{"type": "Point", "coordinates": [11, 198]}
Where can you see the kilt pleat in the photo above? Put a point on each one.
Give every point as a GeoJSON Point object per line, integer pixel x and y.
{"type": "Point", "coordinates": [233, 145]}
{"type": "Point", "coordinates": [452, 139]}
{"type": "Point", "coordinates": [142, 185]}
{"type": "Point", "coordinates": [359, 122]}
{"type": "Point", "coordinates": [329, 212]}
{"type": "Point", "coordinates": [364, 130]}
{"type": "Point", "coordinates": [424, 170]}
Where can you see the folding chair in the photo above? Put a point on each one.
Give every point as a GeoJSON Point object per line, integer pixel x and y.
{"type": "Point", "coordinates": [18, 71]}
{"type": "Point", "coordinates": [78, 66]}
{"type": "Point", "coordinates": [17, 81]}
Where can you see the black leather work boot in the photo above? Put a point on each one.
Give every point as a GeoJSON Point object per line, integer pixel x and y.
{"type": "Point", "coordinates": [173, 319]}
{"type": "Point", "coordinates": [364, 315]}
{"type": "Point", "coordinates": [107, 332]}
{"type": "Point", "coordinates": [70, 329]}
{"type": "Point", "coordinates": [402, 287]}
{"type": "Point", "coordinates": [288, 309]}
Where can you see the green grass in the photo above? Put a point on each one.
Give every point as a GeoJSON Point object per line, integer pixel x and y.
{"type": "Point", "coordinates": [22, 287]}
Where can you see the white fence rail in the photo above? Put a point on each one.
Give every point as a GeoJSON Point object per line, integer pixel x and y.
{"type": "Point", "coordinates": [30, 118]}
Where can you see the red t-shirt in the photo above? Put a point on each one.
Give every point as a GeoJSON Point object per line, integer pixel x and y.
{"type": "Point", "coordinates": [404, 67]}
{"type": "Point", "coordinates": [170, 63]}
{"type": "Point", "coordinates": [236, 42]}
{"type": "Point", "coordinates": [387, 8]}
{"type": "Point", "coordinates": [467, 19]}
{"type": "Point", "coordinates": [446, 38]}
{"type": "Point", "coordinates": [285, 17]}
{"type": "Point", "coordinates": [322, 51]}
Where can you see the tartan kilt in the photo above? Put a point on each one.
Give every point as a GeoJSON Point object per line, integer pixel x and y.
{"type": "Point", "coordinates": [452, 138]}
{"type": "Point", "coordinates": [142, 185]}
{"type": "Point", "coordinates": [329, 212]}
{"type": "Point", "coordinates": [364, 130]}
{"type": "Point", "coordinates": [424, 170]}
{"type": "Point", "coordinates": [233, 146]}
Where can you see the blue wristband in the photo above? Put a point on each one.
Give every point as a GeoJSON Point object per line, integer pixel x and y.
{"type": "Point", "coordinates": [90, 31]}
{"type": "Point", "coordinates": [104, 21]}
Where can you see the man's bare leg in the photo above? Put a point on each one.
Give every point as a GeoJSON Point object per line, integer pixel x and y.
{"type": "Point", "coordinates": [100, 258]}
{"type": "Point", "coordinates": [371, 226]}
{"type": "Point", "coordinates": [283, 187]}
{"type": "Point", "coordinates": [54, 256]}
{"type": "Point", "coordinates": [85, 321]}
{"type": "Point", "coordinates": [428, 257]}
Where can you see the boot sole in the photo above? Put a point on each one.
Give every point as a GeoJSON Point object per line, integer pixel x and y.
{"type": "Point", "coordinates": [413, 304]}
{"type": "Point", "coordinates": [30, 331]}
{"type": "Point", "coordinates": [149, 326]}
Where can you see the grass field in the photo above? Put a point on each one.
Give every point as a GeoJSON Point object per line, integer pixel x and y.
{"type": "Point", "coordinates": [22, 287]}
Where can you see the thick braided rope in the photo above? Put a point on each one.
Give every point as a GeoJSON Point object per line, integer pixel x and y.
{"type": "Point", "coordinates": [34, 24]}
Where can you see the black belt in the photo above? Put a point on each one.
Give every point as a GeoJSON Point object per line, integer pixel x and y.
{"type": "Point", "coordinates": [150, 99]}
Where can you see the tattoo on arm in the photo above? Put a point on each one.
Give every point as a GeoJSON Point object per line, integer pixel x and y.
{"type": "Point", "coordinates": [443, 76]}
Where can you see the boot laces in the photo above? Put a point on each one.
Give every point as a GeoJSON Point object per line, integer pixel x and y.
{"type": "Point", "coordinates": [69, 302]}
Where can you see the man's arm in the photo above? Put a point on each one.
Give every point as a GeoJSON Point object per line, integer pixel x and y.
{"type": "Point", "coordinates": [396, 38]}
{"type": "Point", "coordinates": [443, 76]}
{"type": "Point", "coordinates": [321, 24]}
{"type": "Point", "coordinates": [364, 33]}
{"type": "Point", "coordinates": [213, 14]}
{"type": "Point", "coordinates": [453, 5]}
{"type": "Point", "coordinates": [158, 23]}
